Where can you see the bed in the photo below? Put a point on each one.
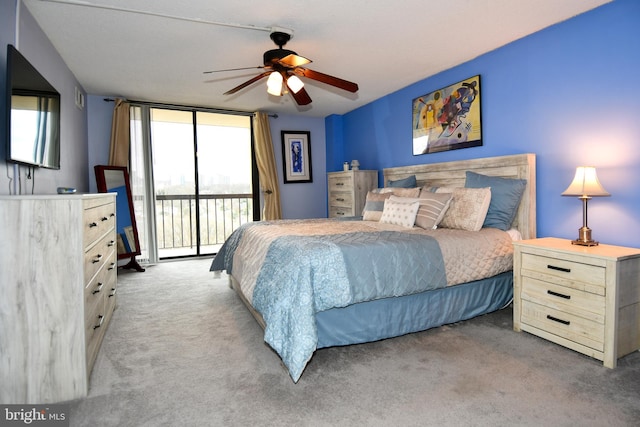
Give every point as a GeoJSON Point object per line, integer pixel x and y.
{"type": "Point", "coordinates": [331, 282]}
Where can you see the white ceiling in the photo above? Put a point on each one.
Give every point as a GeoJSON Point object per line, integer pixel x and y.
{"type": "Point", "coordinates": [382, 45]}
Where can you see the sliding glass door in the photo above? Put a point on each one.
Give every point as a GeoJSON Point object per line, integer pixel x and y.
{"type": "Point", "coordinates": [202, 179]}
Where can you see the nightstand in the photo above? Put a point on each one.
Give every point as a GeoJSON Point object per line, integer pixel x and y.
{"type": "Point", "coordinates": [584, 298]}
{"type": "Point", "coordinates": [348, 191]}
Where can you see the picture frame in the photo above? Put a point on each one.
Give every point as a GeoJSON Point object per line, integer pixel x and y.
{"type": "Point", "coordinates": [296, 156]}
{"type": "Point", "coordinates": [448, 118]}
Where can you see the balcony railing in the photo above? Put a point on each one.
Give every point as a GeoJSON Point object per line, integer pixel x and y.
{"type": "Point", "coordinates": [220, 215]}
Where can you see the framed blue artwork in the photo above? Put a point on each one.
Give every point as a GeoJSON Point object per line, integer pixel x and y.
{"type": "Point", "coordinates": [296, 156]}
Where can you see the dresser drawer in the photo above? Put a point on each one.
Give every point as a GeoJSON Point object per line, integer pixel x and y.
{"type": "Point", "coordinates": [564, 325]}
{"type": "Point", "coordinates": [94, 334]}
{"type": "Point", "coordinates": [340, 183]}
{"type": "Point", "coordinates": [102, 254]}
{"type": "Point", "coordinates": [98, 220]}
{"type": "Point", "coordinates": [98, 290]}
{"type": "Point", "coordinates": [342, 199]}
{"type": "Point", "coordinates": [562, 298]}
{"type": "Point", "coordinates": [569, 273]}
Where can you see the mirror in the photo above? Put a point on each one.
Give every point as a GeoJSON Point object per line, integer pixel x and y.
{"type": "Point", "coordinates": [115, 179]}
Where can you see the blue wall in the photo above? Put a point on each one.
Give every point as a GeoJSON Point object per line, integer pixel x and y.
{"type": "Point", "coordinates": [566, 93]}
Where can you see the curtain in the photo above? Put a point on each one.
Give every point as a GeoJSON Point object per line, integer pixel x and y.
{"type": "Point", "coordinates": [119, 151]}
{"type": "Point", "coordinates": [267, 172]}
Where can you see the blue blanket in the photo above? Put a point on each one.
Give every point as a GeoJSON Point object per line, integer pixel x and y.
{"type": "Point", "coordinates": [303, 275]}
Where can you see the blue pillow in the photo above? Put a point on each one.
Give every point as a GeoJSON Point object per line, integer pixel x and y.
{"type": "Point", "coordinates": [505, 198]}
{"type": "Point", "coordinates": [408, 182]}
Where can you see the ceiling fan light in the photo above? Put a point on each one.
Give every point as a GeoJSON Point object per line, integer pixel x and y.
{"type": "Point", "coordinates": [274, 84]}
{"type": "Point", "coordinates": [295, 84]}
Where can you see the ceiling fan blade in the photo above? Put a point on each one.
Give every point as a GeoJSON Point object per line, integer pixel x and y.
{"type": "Point", "coordinates": [248, 82]}
{"type": "Point", "coordinates": [301, 97]}
{"type": "Point", "coordinates": [293, 60]}
{"type": "Point", "coordinates": [325, 78]}
{"type": "Point", "coordinates": [232, 69]}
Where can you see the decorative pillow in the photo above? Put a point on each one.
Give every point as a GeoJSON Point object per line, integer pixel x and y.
{"type": "Point", "coordinates": [400, 213]}
{"type": "Point", "coordinates": [468, 208]}
{"type": "Point", "coordinates": [408, 182]}
{"type": "Point", "coordinates": [401, 192]}
{"type": "Point", "coordinates": [429, 189]}
{"type": "Point", "coordinates": [433, 207]}
{"type": "Point", "coordinates": [505, 198]}
{"type": "Point", "coordinates": [374, 205]}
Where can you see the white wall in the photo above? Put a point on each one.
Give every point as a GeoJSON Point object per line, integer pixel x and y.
{"type": "Point", "coordinates": [299, 200]}
{"type": "Point", "coordinates": [302, 200]}
{"type": "Point", "coordinates": [36, 47]}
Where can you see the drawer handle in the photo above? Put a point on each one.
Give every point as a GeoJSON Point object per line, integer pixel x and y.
{"type": "Point", "coordinates": [98, 288]}
{"type": "Point", "coordinates": [553, 267]}
{"type": "Point", "coordinates": [97, 259]}
{"type": "Point", "coordinates": [101, 317]}
{"type": "Point", "coordinates": [340, 183]}
{"type": "Point", "coordinates": [113, 292]}
{"type": "Point", "coordinates": [92, 224]}
{"type": "Point", "coordinates": [555, 319]}
{"type": "Point", "coordinates": [104, 218]}
{"type": "Point", "coordinates": [340, 199]}
{"type": "Point", "coordinates": [556, 294]}
{"type": "Point", "coordinates": [112, 215]}
{"type": "Point", "coordinates": [111, 243]}
{"type": "Point", "coordinates": [113, 264]}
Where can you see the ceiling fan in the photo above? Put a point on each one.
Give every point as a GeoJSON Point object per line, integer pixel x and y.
{"type": "Point", "coordinates": [284, 68]}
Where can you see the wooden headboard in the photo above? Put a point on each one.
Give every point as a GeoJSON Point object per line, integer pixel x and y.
{"type": "Point", "coordinates": [452, 174]}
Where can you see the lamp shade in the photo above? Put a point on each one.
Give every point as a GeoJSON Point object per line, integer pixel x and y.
{"type": "Point", "coordinates": [585, 184]}
{"type": "Point", "coordinates": [295, 84]}
{"type": "Point", "coordinates": [274, 84]}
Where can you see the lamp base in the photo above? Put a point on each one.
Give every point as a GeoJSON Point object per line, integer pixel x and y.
{"type": "Point", "coordinates": [584, 238]}
{"type": "Point", "coordinates": [581, 243]}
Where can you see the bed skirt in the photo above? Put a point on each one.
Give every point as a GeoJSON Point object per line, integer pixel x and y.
{"type": "Point", "coordinates": [392, 317]}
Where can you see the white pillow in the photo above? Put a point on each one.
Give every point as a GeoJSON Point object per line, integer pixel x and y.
{"type": "Point", "coordinates": [468, 207]}
{"type": "Point", "coordinates": [400, 212]}
{"type": "Point", "coordinates": [432, 208]}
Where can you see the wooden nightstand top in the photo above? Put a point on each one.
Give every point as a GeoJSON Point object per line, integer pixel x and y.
{"type": "Point", "coordinates": [564, 245]}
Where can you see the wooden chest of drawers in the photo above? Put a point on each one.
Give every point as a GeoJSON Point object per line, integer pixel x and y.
{"type": "Point", "coordinates": [348, 191]}
{"type": "Point", "coordinates": [584, 298]}
{"type": "Point", "coordinates": [100, 265]}
{"type": "Point", "coordinates": [58, 271]}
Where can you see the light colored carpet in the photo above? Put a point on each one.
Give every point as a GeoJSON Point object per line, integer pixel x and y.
{"type": "Point", "coordinates": [182, 350]}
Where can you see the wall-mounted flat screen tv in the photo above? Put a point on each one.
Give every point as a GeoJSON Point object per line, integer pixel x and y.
{"type": "Point", "coordinates": [33, 115]}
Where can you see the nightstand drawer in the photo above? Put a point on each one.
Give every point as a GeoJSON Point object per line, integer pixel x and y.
{"type": "Point", "coordinates": [564, 325]}
{"type": "Point", "coordinates": [342, 199]}
{"type": "Point", "coordinates": [341, 183]}
{"type": "Point", "coordinates": [569, 300]}
{"type": "Point", "coordinates": [569, 272]}
{"type": "Point", "coordinates": [339, 212]}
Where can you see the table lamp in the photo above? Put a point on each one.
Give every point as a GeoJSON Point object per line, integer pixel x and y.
{"type": "Point", "coordinates": [585, 185]}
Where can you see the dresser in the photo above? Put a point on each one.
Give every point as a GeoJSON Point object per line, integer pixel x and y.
{"type": "Point", "coordinates": [58, 270]}
{"type": "Point", "coordinates": [583, 298]}
{"type": "Point", "coordinates": [348, 191]}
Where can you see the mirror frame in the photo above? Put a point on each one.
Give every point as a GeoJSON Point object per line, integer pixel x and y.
{"type": "Point", "coordinates": [102, 188]}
